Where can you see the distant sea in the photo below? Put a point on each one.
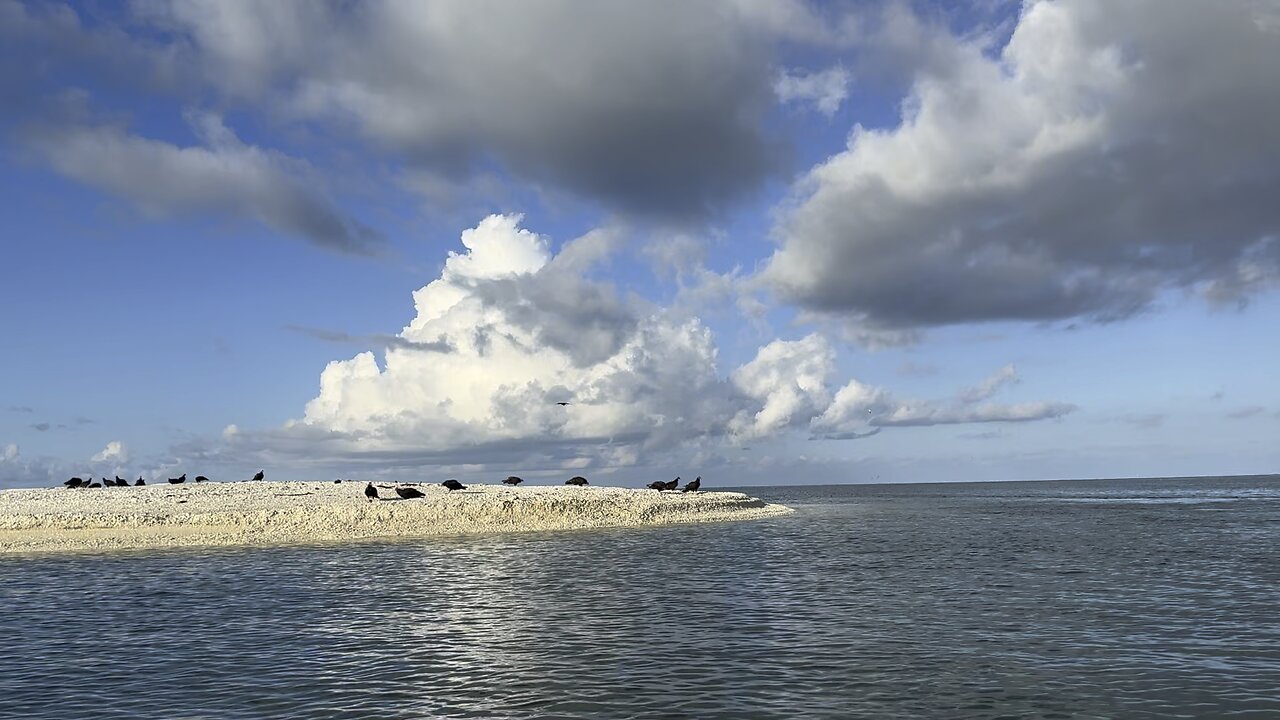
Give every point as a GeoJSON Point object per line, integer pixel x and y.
{"type": "Point", "coordinates": [1097, 599]}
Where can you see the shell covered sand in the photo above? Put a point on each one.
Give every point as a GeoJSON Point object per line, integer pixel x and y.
{"type": "Point", "coordinates": [279, 513]}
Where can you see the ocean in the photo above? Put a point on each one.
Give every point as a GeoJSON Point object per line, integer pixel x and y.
{"type": "Point", "coordinates": [1149, 598]}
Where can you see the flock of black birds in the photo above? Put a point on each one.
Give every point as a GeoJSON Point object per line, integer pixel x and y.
{"type": "Point", "coordinates": [409, 493]}
{"type": "Point", "coordinates": [371, 492]}
{"type": "Point", "coordinates": [78, 482]}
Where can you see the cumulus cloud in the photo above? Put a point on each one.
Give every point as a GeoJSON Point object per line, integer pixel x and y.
{"type": "Point", "coordinates": [528, 329]}
{"type": "Point", "coordinates": [114, 453]}
{"type": "Point", "coordinates": [650, 109]}
{"type": "Point", "coordinates": [17, 471]}
{"type": "Point", "coordinates": [222, 175]}
{"type": "Point", "coordinates": [1104, 155]}
{"type": "Point", "coordinates": [826, 90]}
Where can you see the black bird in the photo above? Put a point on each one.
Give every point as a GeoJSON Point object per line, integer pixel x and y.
{"type": "Point", "coordinates": [512, 480]}
{"type": "Point", "coordinates": [335, 482]}
{"type": "Point", "coordinates": [576, 480]}
{"type": "Point", "coordinates": [94, 484]}
{"type": "Point", "coordinates": [371, 492]}
{"type": "Point", "coordinates": [692, 486]}
{"type": "Point", "coordinates": [178, 480]}
{"type": "Point", "coordinates": [453, 485]}
{"type": "Point", "coordinates": [406, 493]}
{"type": "Point", "coordinates": [74, 482]}
{"type": "Point", "coordinates": [140, 481]}
{"type": "Point", "coordinates": [201, 478]}
{"type": "Point", "coordinates": [562, 404]}
{"type": "Point", "coordinates": [672, 485]}
{"type": "Point", "coordinates": [657, 485]}
{"type": "Point", "coordinates": [107, 483]}
{"type": "Point", "coordinates": [121, 482]}
{"type": "Point", "coordinates": [259, 476]}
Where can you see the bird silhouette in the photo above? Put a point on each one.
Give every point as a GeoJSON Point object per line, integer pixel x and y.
{"type": "Point", "coordinates": [121, 482]}
{"type": "Point", "coordinates": [406, 493]}
{"type": "Point", "coordinates": [371, 492]}
{"type": "Point", "coordinates": [657, 485]}
{"type": "Point", "coordinates": [259, 476]}
{"type": "Point", "coordinates": [74, 482]}
{"type": "Point", "coordinates": [693, 485]}
{"type": "Point", "coordinates": [453, 485]}
{"type": "Point", "coordinates": [671, 484]}
{"type": "Point", "coordinates": [178, 480]}
{"type": "Point", "coordinates": [576, 480]}
{"type": "Point", "coordinates": [201, 478]}
{"type": "Point", "coordinates": [562, 403]}
{"type": "Point", "coordinates": [512, 480]}
{"type": "Point", "coordinates": [140, 481]}
{"type": "Point", "coordinates": [95, 485]}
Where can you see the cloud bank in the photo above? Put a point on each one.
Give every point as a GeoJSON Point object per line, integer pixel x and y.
{"type": "Point", "coordinates": [1106, 154]}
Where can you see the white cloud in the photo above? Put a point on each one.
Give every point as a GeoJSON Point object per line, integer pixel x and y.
{"type": "Point", "coordinates": [826, 89]}
{"type": "Point", "coordinates": [114, 453]}
{"type": "Point", "coordinates": [1081, 170]}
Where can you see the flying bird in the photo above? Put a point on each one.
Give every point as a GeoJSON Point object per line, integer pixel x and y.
{"type": "Point", "coordinates": [453, 485]}
{"type": "Point", "coordinates": [562, 404]}
{"type": "Point", "coordinates": [576, 480]}
{"type": "Point", "coordinates": [692, 485]}
{"type": "Point", "coordinates": [371, 492]}
{"type": "Point", "coordinates": [404, 492]}
{"type": "Point", "coordinates": [512, 480]}
{"type": "Point", "coordinates": [259, 476]}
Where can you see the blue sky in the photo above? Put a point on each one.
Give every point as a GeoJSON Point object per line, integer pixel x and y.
{"type": "Point", "coordinates": [761, 242]}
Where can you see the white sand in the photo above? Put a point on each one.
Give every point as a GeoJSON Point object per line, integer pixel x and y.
{"type": "Point", "coordinates": [278, 513]}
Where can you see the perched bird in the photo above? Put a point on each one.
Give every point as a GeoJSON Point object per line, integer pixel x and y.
{"type": "Point", "coordinates": [201, 478]}
{"type": "Point", "coordinates": [371, 492]}
{"type": "Point", "coordinates": [74, 482]}
{"type": "Point", "coordinates": [94, 484]}
{"type": "Point", "coordinates": [512, 480]}
{"type": "Point", "coordinates": [406, 493]}
{"type": "Point", "coordinates": [121, 482]}
{"type": "Point", "coordinates": [453, 485]}
{"type": "Point", "coordinates": [178, 480]}
{"type": "Point", "coordinates": [576, 480]}
{"type": "Point", "coordinates": [657, 485]}
{"type": "Point", "coordinates": [692, 486]}
{"type": "Point", "coordinates": [140, 481]}
{"type": "Point", "coordinates": [335, 482]}
{"type": "Point", "coordinates": [259, 476]}
{"type": "Point", "coordinates": [672, 485]}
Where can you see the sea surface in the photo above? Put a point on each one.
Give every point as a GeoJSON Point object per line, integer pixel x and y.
{"type": "Point", "coordinates": [1107, 598]}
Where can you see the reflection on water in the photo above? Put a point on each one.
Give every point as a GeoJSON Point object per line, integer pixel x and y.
{"type": "Point", "coordinates": [887, 601]}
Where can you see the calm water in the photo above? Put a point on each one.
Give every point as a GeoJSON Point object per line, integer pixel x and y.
{"type": "Point", "coordinates": [1125, 599]}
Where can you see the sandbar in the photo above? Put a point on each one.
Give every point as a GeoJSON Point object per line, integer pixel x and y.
{"type": "Point", "coordinates": [42, 520]}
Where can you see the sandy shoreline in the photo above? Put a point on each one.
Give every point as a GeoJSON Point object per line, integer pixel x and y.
{"type": "Point", "coordinates": [281, 513]}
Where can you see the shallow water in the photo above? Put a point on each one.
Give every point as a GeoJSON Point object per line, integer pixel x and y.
{"type": "Point", "coordinates": [1130, 599]}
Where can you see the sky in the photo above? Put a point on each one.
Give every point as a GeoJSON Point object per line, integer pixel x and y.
{"type": "Point", "coordinates": [760, 242]}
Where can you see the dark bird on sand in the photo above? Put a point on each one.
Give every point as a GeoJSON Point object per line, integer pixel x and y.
{"type": "Point", "coordinates": [108, 482]}
{"type": "Point", "coordinates": [140, 481]}
{"type": "Point", "coordinates": [259, 476]}
{"type": "Point", "coordinates": [371, 492]}
{"type": "Point", "coordinates": [672, 485]}
{"type": "Point", "coordinates": [512, 480]}
{"type": "Point", "coordinates": [406, 493]}
{"type": "Point", "coordinates": [201, 478]}
{"type": "Point", "coordinates": [335, 482]}
{"type": "Point", "coordinates": [692, 486]}
{"type": "Point", "coordinates": [121, 482]}
{"type": "Point", "coordinates": [178, 480]}
{"type": "Point", "coordinates": [657, 485]}
{"type": "Point", "coordinates": [453, 485]}
{"type": "Point", "coordinates": [94, 485]}
{"type": "Point", "coordinates": [576, 480]}
{"type": "Point", "coordinates": [74, 482]}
